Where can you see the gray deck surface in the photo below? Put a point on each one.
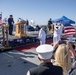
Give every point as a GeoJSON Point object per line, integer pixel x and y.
{"type": "Point", "coordinates": [17, 63]}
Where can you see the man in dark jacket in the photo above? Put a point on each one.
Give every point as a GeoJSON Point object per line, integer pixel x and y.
{"type": "Point", "coordinates": [45, 53]}
{"type": "Point", "coordinates": [10, 22]}
{"type": "Point", "coordinates": [49, 24]}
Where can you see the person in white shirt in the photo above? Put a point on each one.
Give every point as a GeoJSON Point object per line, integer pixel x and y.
{"type": "Point", "coordinates": [42, 35]}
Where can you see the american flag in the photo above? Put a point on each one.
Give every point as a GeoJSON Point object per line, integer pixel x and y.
{"type": "Point", "coordinates": [69, 30]}
{"type": "Point", "coordinates": [0, 18]}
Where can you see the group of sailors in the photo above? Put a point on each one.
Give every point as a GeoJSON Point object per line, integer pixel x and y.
{"type": "Point", "coordinates": [57, 29]}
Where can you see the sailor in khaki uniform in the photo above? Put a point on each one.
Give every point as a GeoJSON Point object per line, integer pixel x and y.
{"type": "Point", "coordinates": [45, 53]}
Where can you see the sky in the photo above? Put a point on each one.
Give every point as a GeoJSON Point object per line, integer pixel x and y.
{"type": "Point", "coordinates": [38, 10]}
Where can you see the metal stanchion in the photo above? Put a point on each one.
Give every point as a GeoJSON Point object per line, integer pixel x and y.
{"type": "Point", "coordinates": [4, 44]}
{"type": "Point", "coordinates": [5, 34]}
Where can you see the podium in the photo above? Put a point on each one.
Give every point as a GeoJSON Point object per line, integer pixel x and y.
{"type": "Point", "coordinates": [20, 31]}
